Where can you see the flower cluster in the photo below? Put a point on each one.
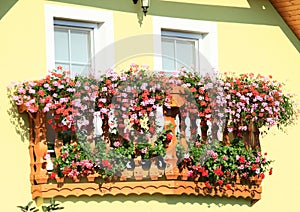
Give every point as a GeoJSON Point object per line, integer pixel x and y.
{"type": "Point", "coordinates": [238, 101]}
{"type": "Point", "coordinates": [220, 164]}
{"type": "Point", "coordinates": [80, 159]}
{"type": "Point", "coordinates": [132, 98]}
{"type": "Point", "coordinates": [51, 94]}
{"type": "Point", "coordinates": [256, 99]}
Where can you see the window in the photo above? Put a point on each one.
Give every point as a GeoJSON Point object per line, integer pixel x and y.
{"type": "Point", "coordinates": [79, 38]}
{"type": "Point", "coordinates": [73, 45]}
{"type": "Point", "coordinates": [184, 42]}
{"type": "Point", "coordinates": [180, 50]}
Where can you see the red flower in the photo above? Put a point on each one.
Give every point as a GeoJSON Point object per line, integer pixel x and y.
{"type": "Point", "coordinates": [152, 129]}
{"type": "Point", "coordinates": [219, 172]}
{"type": "Point", "coordinates": [169, 136]}
{"type": "Point", "coordinates": [220, 182]}
{"type": "Point", "coordinates": [253, 167]}
{"type": "Point", "coordinates": [105, 163]}
{"type": "Point", "coordinates": [41, 93]}
{"type": "Point", "coordinates": [203, 103]}
{"type": "Point", "coordinates": [207, 184]}
{"type": "Point", "coordinates": [228, 186]}
{"type": "Point", "coordinates": [242, 159]}
{"type": "Point", "coordinates": [50, 121]}
{"type": "Point", "coordinates": [201, 90]}
{"type": "Point", "coordinates": [108, 82]}
{"type": "Point", "coordinates": [193, 89]}
{"type": "Point", "coordinates": [271, 171]}
{"type": "Point", "coordinates": [72, 83]}
{"type": "Point", "coordinates": [52, 175]}
{"type": "Point", "coordinates": [205, 173]}
{"type": "Point", "coordinates": [262, 175]}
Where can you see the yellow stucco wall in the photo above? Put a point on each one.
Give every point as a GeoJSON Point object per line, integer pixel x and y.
{"type": "Point", "coordinates": [251, 38]}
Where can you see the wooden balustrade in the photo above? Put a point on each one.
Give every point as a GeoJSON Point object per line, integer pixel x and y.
{"type": "Point", "coordinates": [38, 147]}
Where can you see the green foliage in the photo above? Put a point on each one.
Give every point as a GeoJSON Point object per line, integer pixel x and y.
{"type": "Point", "coordinates": [52, 207]}
{"type": "Point", "coordinates": [222, 162]}
{"type": "Point", "coordinates": [46, 208]}
{"type": "Point", "coordinates": [28, 207]}
{"type": "Point", "coordinates": [142, 149]}
{"type": "Point", "coordinates": [179, 151]}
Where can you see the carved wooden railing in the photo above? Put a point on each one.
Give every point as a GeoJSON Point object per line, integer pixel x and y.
{"type": "Point", "coordinates": [166, 181]}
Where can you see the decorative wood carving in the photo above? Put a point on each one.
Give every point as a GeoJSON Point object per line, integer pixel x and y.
{"type": "Point", "coordinates": [170, 187]}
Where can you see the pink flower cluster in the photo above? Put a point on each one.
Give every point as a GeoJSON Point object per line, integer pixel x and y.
{"type": "Point", "coordinates": [253, 99]}
{"type": "Point", "coordinates": [50, 94]}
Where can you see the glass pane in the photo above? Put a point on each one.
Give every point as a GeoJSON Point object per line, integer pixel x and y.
{"type": "Point", "coordinates": [168, 54]}
{"type": "Point", "coordinates": [80, 70]}
{"type": "Point", "coordinates": [80, 46]}
{"type": "Point", "coordinates": [61, 44]}
{"type": "Point", "coordinates": [185, 52]}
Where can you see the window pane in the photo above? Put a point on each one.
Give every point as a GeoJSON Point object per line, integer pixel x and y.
{"type": "Point", "coordinates": [80, 46]}
{"type": "Point", "coordinates": [168, 54]}
{"type": "Point", "coordinates": [185, 52]}
{"type": "Point", "coordinates": [61, 45]}
{"type": "Point", "coordinates": [80, 69]}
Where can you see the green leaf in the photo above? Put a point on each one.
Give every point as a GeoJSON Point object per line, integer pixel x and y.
{"type": "Point", "coordinates": [52, 201]}
{"type": "Point", "coordinates": [44, 208]}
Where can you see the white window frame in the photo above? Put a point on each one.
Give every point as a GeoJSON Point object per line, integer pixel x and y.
{"type": "Point", "coordinates": [208, 43]}
{"type": "Point", "coordinates": [176, 36]}
{"type": "Point", "coordinates": [103, 35]}
{"type": "Point", "coordinates": [88, 27]}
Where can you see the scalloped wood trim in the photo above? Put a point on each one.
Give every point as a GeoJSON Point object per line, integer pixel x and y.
{"type": "Point", "coordinates": [144, 187]}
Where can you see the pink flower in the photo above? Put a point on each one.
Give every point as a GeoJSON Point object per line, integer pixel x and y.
{"type": "Point", "coordinates": [190, 173]}
{"type": "Point", "coordinates": [197, 144]}
{"type": "Point", "coordinates": [116, 143]}
{"type": "Point", "coordinates": [224, 157]}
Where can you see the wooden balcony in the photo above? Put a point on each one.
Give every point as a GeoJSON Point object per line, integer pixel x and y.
{"type": "Point", "coordinates": [167, 181]}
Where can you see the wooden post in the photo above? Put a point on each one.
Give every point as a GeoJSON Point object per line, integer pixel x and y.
{"type": "Point", "coordinates": [226, 140]}
{"type": "Point", "coordinates": [204, 128]}
{"type": "Point", "coordinates": [182, 128]}
{"type": "Point", "coordinates": [40, 146]}
{"type": "Point", "coordinates": [172, 171]}
{"type": "Point", "coordinates": [254, 141]}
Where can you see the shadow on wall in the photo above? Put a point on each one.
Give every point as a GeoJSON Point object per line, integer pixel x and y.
{"type": "Point", "coordinates": [19, 121]}
{"type": "Point", "coordinates": [122, 200]}
{"type": "Point", "coordinates": [260, 12]}
{"type": "Point", "coordinates": [5, 6]}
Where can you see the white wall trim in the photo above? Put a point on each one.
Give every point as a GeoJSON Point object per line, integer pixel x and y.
{"type": "Point", "coordinates": [208, 46]}
{"type": "Point", "coordinates": [103, 35]}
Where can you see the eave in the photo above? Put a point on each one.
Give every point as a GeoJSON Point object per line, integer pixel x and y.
{"type": "Point", "coordinates": [289, 10]}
